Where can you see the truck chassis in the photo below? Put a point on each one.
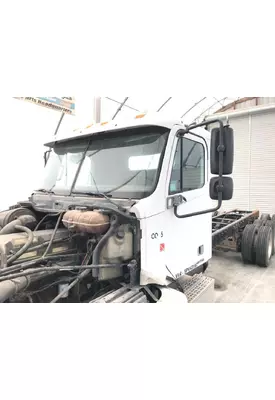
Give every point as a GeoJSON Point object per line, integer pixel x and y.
{"type": "Point", "coordinates": [227, 229]}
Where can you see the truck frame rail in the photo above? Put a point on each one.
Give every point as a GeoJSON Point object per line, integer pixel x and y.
{"type": "Point", "coordinates": [227, 229]}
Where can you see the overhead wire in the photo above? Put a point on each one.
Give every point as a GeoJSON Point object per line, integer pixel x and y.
{"type": "Point", "coordinates": [164, 104]}
{"type": "Point", "coordinates": [120, 107]}
{"type": "Point", "coordinates": [126, 105]}
{"type": "Point", "coordinates": [194, 105]}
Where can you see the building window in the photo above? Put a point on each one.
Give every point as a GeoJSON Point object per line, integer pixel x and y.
{"type": "Point", "coordinates": [189, 167]}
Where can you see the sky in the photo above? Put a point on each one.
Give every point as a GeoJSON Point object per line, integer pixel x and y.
{"type": "Point", "coordinates": [26, 127]}
{"type": "Point", "coordinates": [175, 108]}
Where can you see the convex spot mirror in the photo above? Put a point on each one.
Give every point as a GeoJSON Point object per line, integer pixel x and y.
{"type": "Point", "coordinates": [228, 153]}
{"type": "Point", "coordinates": [226, 187]}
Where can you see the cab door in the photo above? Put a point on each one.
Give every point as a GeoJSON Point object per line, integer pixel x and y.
{"type": "Point", "coordinates": [189, 240]}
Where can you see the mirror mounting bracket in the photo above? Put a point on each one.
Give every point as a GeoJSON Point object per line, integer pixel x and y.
{"type": "Point", "coordinates": [175, 201]}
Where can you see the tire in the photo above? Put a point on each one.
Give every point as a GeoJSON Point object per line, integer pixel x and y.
{"type": "Point", "coordinates": [248, 238]}
{"type": "Point", "coordinates": [264, 245]}
{"type": "Point", "coordinates": [272, 226]}
{"type": "Point", "coordinates": [265, 217]}
{"type": "Point", "coordinates": [273, 219]}
{"type": "Point", "coordinates": [205, 266]}
{"type": "Point", "coordinates": [258, 223]}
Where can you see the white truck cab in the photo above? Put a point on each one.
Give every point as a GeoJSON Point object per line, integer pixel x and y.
{"type": "Point", "coordinates": [126, 204]}
{"type": "Point", "coordinates": [169, 163]}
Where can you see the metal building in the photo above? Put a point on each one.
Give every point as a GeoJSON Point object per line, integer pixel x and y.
{"type": "Point", "coordinates": [253, 119]}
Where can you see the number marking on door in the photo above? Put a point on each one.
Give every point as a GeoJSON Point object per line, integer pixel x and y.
{"type": "Point", "coordinates": [156, 235]}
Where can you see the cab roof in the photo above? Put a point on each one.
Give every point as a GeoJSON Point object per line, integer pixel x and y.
{"type": "Point", "coordinates": [141, 120]}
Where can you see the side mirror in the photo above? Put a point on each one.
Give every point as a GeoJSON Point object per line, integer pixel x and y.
{"type": "Point", "coordinates": [226, 188]}
{"type": "Point", "coordinates": [221, 164]}
{"type": "Point", "coordinates": [222, 142]}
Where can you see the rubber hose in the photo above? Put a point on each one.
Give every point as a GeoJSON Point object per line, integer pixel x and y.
{"type": "Point", "coordinates": [26, 245]}
{"type": "Point", "coordinates": [72, 285]}
{"type": "Point", "coordinates": [58, 268]}
{"type": "Point", "coordinates": [10, 228]}
{"type": "Point", "coordinates": [42, 245]}
{"type": "Point", "coordinates": [96, 259]}
{"type": "Point", "coordinates": [53, 235]}
{"type": "Point", "coordinates": [20, 267]}
{"type": "Point", "coordinates": [12, 287]}
{"type": "Point", "coordinates": [44, 219]}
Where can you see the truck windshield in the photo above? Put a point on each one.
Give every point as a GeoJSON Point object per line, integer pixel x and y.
{"type": "Point", "coordinates": [124, 164]}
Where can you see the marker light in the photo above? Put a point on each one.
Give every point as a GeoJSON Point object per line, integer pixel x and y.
{"type": "Point", "coordinates": [140, 116]}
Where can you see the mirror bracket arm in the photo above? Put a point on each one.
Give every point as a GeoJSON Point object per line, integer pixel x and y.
{"type": "Point", "coordinates": [212, 210]}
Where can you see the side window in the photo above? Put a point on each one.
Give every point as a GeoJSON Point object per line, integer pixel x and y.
{"type": "Point", "coordinates": [189, 167]}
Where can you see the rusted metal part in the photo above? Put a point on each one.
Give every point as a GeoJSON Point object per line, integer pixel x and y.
{"type": "Point", "coordinates": [227, 228]}
{"type": "Point", "coordinates": [235, 103]}
{"type": "Point", "coordinates": [86, 221]}
{"type": "Point", "coordinates": [229, 244]}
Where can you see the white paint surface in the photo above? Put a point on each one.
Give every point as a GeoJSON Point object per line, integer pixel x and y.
{"type": "Point", "coordinates": [25, 127]}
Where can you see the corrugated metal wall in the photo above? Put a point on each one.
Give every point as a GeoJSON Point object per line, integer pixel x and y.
{"type": "Point", "coordinates": [266, 100]}
{"type": "Point", "coordinates": [241, 164]}
{"type": "Point", "coordinates": [262, 171]}
{"type": "Point", "coordinates": [254, 102]}
{"type": "Point", "coordinates": [254, 169]}
{"type": "Point", "coordinates": [245, 105]}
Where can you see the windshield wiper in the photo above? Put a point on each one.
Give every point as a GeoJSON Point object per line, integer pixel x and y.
{"type": "Point", "coordinates": [124, 183]}
{"type": "Point", "coordinates": [105, 196]}
{"type": "Point", "coordinates": [95, 194]}
{"type": "Point", "coordinates": [45, 191]}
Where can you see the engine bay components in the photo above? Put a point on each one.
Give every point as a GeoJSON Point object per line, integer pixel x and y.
{"type": "Point", "coordinates": [12, 243]}
{"type": "Point", "coordinates": [122, 295]}
{"type": "Point", "coordinates": [64, 256]}
{"type": "Point", "coordinates": [118, 250]}
{"type": "Point", "coordinates": [91, 222]}
{"type": "Point", "coordinates": [19, 216]}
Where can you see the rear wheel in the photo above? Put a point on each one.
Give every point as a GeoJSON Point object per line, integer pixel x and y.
{"type": "Point", "coordinates": [271, 224]}
{"type": "Point", "coordinates": [248, 237]}
{"type": "Point", "coordinates": [265, 217]}
{"type": "Point", "coordinates": [264, 246]}
{"type": "Point", "coordinates": [205, 266]}
{"type": "Point", "coordinates": [258, 222]}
